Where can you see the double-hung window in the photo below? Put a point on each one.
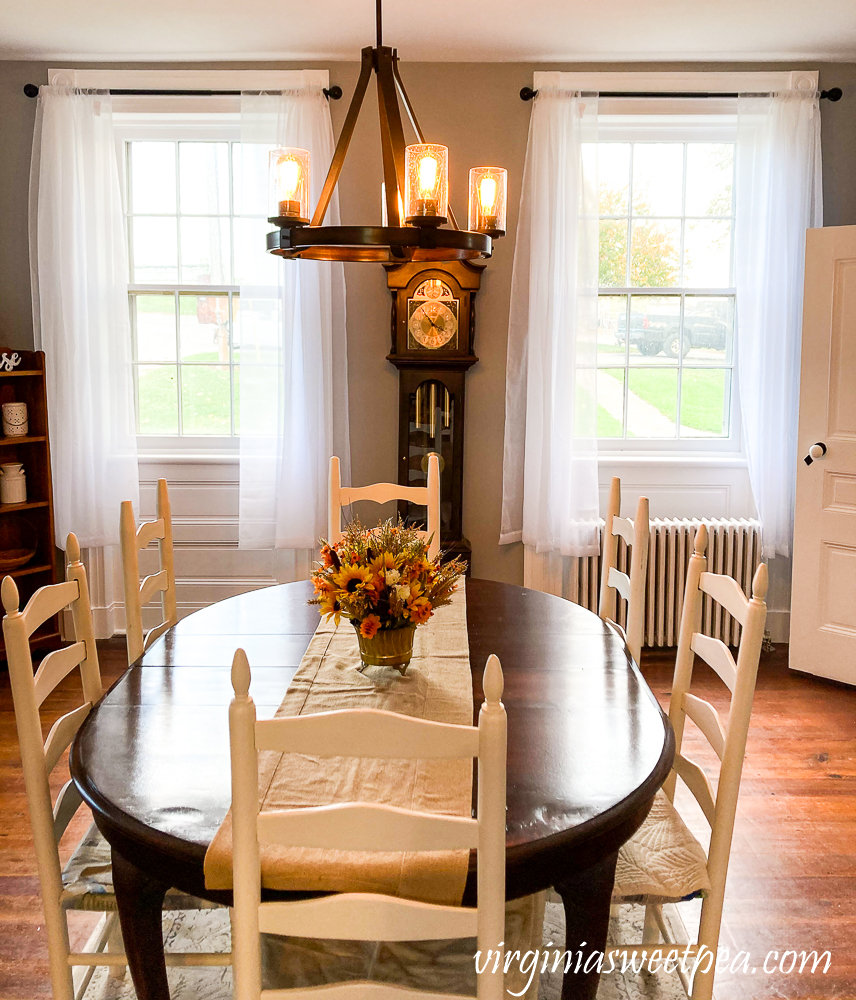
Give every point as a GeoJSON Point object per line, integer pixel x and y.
{"type": "Point", "coordinates": [183, 230]}
{"type": "Point", "coordinates": [666, 281]}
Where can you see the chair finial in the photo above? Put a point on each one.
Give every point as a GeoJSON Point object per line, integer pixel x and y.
{"type": "Point", "coordinates": [9, 593]}
{"type": "Point", "coordinates": [701, 540]}
{"type": "Point", "coordinates": [760, 582]}
{"type": "Point", "coordinates": [240, 674]}
{"type": "Point", "coordinates": [493, 682]}
{"type": "Point", "coordinates": [72, 548]}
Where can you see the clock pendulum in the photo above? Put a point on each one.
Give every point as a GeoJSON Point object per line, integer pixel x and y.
{"type": "Point", "coordinates": [433, 331]}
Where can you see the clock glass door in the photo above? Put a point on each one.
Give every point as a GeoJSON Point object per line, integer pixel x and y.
{"type": "Point", "coordinates": [431, 428]}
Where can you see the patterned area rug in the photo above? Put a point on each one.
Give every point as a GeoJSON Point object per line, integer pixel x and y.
{"type": "Point", "coordinates": [209, 930]}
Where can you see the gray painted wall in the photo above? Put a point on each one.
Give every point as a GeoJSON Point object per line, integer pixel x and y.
{"type": "Point", "coordinates": [473, 108]}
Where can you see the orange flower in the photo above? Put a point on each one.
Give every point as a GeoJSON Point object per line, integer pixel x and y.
{"type": "Point", "coordinates": [327, 556]}
{"type": "Point", "coordinates": [321, 584]}
{"type": "Point", "coordinates": [369, 626]}
{"type": "Point", "coordinates": [420, 610]}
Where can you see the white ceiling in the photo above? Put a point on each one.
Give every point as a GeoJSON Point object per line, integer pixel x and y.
{"type": "Point", "coordinates": [430, 30]}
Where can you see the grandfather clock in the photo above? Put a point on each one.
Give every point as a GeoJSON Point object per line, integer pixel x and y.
{"type": "Point", "coordinates": [433, 328]}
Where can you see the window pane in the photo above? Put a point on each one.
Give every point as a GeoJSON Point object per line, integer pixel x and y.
{"type": "Point", "coordinates": [658, 170]}
{"type": "Point", "coordinates": [708, 329]}
{"type": "Point", "coordinates": [655, 252]}
{"type": "Point", "coordinates": [154, 250]}
{"type": "Point", "coordinates": [707, 253]}
{"type": "Point", "coordinates": [613, 172]}
{"type": "Point", "coordinates": [158, 400]}
{"type": "Point", "coordinates": [611, 328]}
{"type": "Point", "coordinates": [704, 402]}
{"type": "Point", "coordinates": [236, 328]}
{"type": "Point", "coordinates": [236, 383]}
{"type": "Point", "coordinates": [613, 253]}
{"type": "Point", "coordinates": [250, 178]}
{"type": "Point", "coordinates": [252, 261]}
{"type": "Point", "coordinates": [610, 402]}
{"type": "Point", "coordinates": [203, 324]}
{"type": "Point", "coordinates": [205, 251]}
{"type": "Point", "coordinates": [204, 178]}
{"type": "Point", "coordinates": [652, 402]}
{"type": "Point", "coordinates": [205, 405]}
{"type": "Point", "coordinates": [655, 329]}
{"type": "Point", "coordinates": [710, 173]}
{"type": "Point", "coordinates": [154, 326]}
{"type": "Point", "coordinates": [152, 177]}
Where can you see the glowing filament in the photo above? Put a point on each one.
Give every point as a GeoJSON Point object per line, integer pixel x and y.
{"type": "Point", "coordinates": [487, 194]}
{"type": "Point", "coordinates": [427, 176]}
{"type": "Point", "coordinates": [289, 177]}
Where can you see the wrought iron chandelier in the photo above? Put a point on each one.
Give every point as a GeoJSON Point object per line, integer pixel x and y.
{"type": "Point", "coordinates": [416, 189]}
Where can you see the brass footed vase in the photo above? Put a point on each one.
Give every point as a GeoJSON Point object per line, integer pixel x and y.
{"type": "Point", "coordinates": [387, 648]}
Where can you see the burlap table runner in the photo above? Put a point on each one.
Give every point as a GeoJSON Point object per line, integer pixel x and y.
{"type": "Point", "coordinates": [437, 686]}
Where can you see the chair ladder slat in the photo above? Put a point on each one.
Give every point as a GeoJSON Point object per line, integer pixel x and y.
{"type": "Point", "coordinates": [620, 581]}
{"type": "Point", "coordinates": [67, 803]}
{"type": "Point", "coordinates": [367, 733]}
{"type": "Point", "coordinates": [706, 717]}
{"type": "Point", "coordinates": [383, 493]}
{"type": "Point", "coordinates": [155, 633]}
{"type": "Point", "coordinates": [697, 781]}
{"type": "Point", "coordinates": [62, 733]}
{"type": "Point", "coordinates": [726, 591]}
{"type": "Point", "coordinates": [48, 601]}
{"type": "Point", "coordinates": [367, 916]}
{"type": "Point", "coordinates": [718, 656]}
{"type": "Point", "coordinates": [55, 666]}
{"type": "Point", "coordinates": [152, 585]}
{"type": "Point", "coordinates": [623, 527]}
{"type": "Point", "coordinates": [149, 531]}
{"type": "Point", "coordinates": [367, 826]}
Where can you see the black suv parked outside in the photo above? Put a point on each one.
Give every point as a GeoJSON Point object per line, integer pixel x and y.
{"type": "Point", "coordinates": [653, 333]}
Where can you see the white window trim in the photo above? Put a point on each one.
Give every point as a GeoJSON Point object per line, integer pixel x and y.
{"type": "Point", "coordinates": [188, 79]}
{"type": "Point", "coordinates": [702, 82]}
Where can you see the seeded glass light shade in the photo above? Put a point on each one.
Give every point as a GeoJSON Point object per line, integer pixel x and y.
{"type": "Point", "coordinates": [426, 184]}
{"type": "Point", "coordinates": [289, 184]}
{"type": "Point", "coordinates": [488, 201]}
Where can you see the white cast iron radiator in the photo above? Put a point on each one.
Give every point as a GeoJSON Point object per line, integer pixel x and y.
{"type": "Point", "coordinates": [733, 548]}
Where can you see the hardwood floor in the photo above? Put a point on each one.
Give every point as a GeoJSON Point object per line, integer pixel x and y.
{"type": "Point", "coordinates": [792, 882]}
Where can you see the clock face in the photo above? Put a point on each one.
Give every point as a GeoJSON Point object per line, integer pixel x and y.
{"type": "Point", "coordinates": [432, 316]}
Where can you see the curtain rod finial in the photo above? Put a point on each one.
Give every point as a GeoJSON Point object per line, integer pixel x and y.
{"type": "Point", "coordinates": [833, 94]}
{"type": "Point", "coordinates": [527, 93]}
{"type": "Point", "coordinates": [31, 90]}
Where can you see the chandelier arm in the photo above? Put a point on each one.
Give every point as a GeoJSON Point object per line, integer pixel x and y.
{"type": "Point", "coordinates": [344, 138]}
{"type": "Point", "coordinates": [411, 114]}
{"type": "Point", "coordinates": [392, 132]}
{"type": "Point", "coordinates": [390, 180]}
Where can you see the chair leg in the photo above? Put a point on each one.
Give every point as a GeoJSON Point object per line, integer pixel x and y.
{"type": "Point", "coordinates": [115, 946]}
{"type": "Point", "coordinates": [56, 925]}
{"type": "Point", "coordinates": [651, 929]}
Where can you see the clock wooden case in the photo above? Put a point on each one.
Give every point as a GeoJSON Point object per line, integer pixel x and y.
{"type": "Point", "coordinates": [433, 332]}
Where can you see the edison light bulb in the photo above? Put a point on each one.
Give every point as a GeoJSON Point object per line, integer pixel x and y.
{"type": "Point", "coordinates": [487, 194]}
{"type": "Point", "coordinates": [289, 174]}
{"type": "Point", "coordinates": [426, 184]}
{"type": "Point", "coordinates": [488, 200]}
{"type": "Point", "coordinates": [427, 176]}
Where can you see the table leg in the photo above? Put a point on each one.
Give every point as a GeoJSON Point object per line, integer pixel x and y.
{"type": "Point", "coordinates": [586, 897]}
{"type": "Point", "coordinates": [139, 899]}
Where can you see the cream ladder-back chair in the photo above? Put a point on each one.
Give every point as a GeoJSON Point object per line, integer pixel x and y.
{"type": "Point", "coordinates": [75, 887]}
{"type": "Point", "coordinates": [632, 587]}
{"type": "Point", "coordinates": [429, 496]}
{"type": "Point", "coordinates": [365, 827]}
{"type": "Point", "coordinates": [647, 869]}
{"type": "Point", "coordinates": [138, 594]}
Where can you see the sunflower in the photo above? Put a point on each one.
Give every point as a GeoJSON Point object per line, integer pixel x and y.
{"type": "Point", "coordinates": [329, 606]}
{"type": "Point", "coordinates": [354, 578]}
{"type": "Point", "coordinates": [369, 626]}
{"type": "Point", "coordinates": [420, 610]}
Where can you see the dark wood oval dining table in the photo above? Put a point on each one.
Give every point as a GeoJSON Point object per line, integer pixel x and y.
{"type": "Point", "coordinates": [588, 747]}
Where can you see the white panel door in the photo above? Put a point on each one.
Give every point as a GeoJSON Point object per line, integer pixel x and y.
{"type": "Point", "coordinates": [823, 605]}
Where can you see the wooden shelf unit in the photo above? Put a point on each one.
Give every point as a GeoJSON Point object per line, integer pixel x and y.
{"type": "Point", "coordinates": [26, 384]}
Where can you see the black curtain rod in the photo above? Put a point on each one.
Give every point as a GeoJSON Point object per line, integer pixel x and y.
{"type": "Point", "coordinates": [331, 93]}
{"type": "Point", "coordinates": [527, 93]}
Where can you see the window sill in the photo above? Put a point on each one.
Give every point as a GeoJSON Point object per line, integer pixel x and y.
{"type": "Point", "coordinates": [213, 457]}
{"type": "Point", "coordinates": [722, 460]}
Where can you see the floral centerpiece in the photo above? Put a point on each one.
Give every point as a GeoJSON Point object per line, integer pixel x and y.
{"type": "Point", "coordinates": [382, 580]}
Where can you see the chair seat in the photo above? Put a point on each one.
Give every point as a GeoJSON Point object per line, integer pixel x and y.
{"type": "Point", "coordinates": [662, 862]}
{"type": "Point", "coordinates": [87, 880]}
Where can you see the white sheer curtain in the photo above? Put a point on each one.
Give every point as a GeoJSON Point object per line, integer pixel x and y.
{"type": "Point", "coordinates": [79, 270]}
{"type": "Point", "coordinates": [778, 197]}
{"type": "Point", "coordinates": [550, 490]}
{"type": "Point", "coordinates": [294, 390]}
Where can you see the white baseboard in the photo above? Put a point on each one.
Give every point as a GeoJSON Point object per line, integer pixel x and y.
{"type": "Point", "coordinates": [779, 625]}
